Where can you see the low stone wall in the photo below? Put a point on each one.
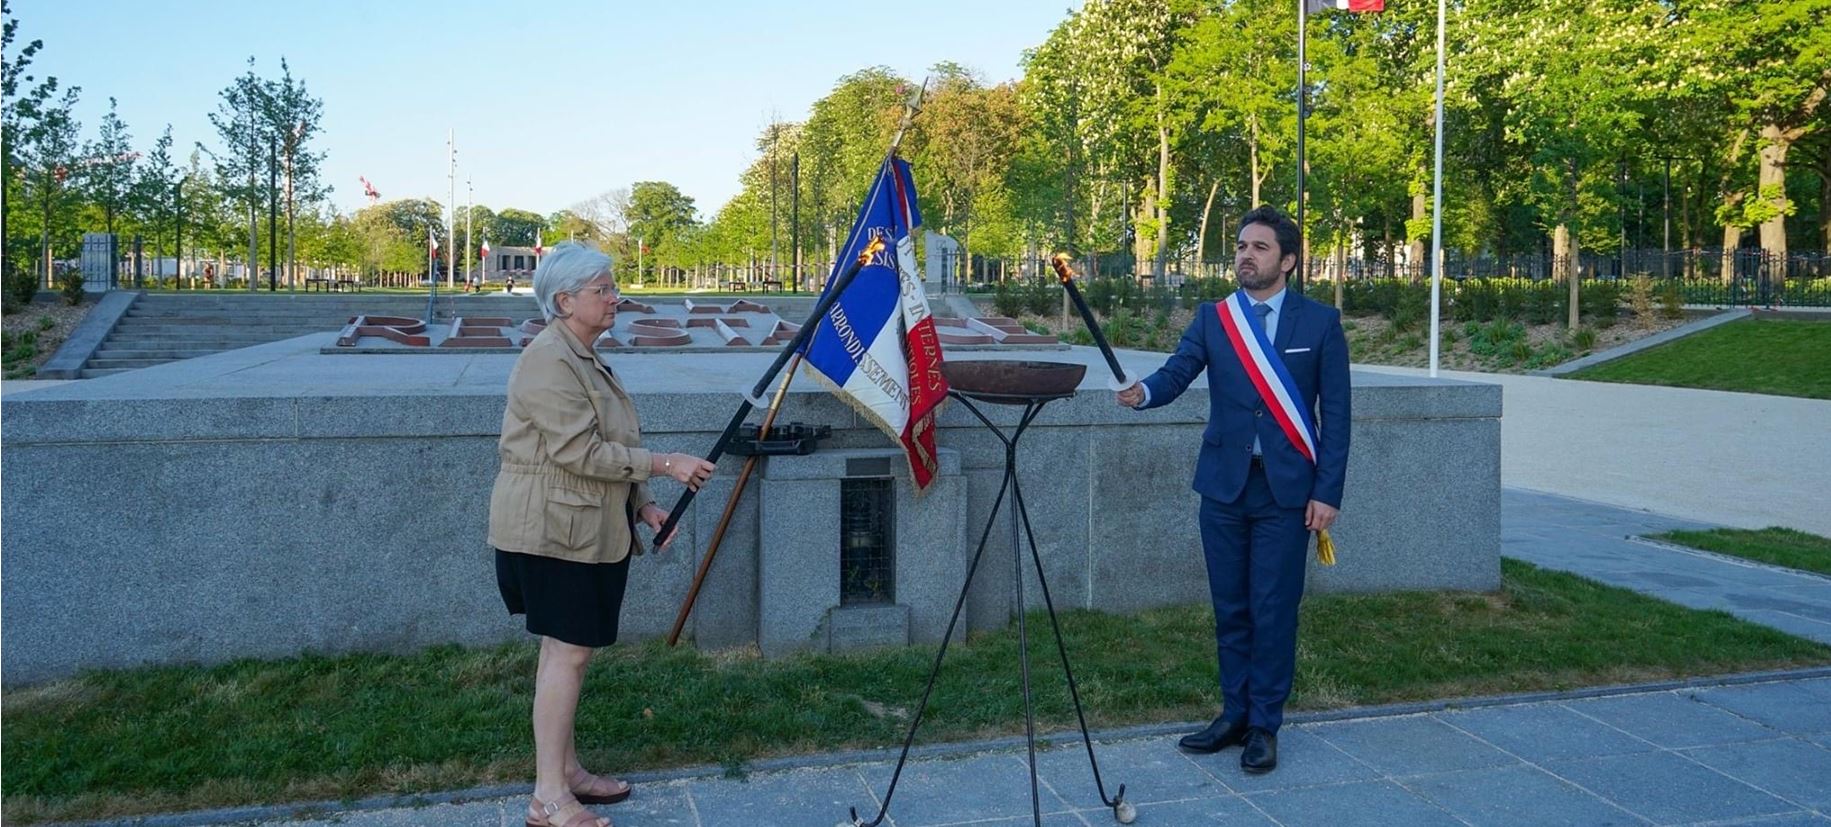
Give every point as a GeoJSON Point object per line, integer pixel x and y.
{"type": "Point", "coordinates": [274, 500]}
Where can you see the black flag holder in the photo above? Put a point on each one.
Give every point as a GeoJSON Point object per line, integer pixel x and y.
{"type": "Point", "coordinates": [1032, 403]}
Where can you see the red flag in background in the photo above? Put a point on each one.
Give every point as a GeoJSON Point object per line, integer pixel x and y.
{"type": "Point", "coordinates": [1314, 6]}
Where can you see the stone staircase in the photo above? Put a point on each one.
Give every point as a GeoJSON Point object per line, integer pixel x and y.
{"type": "Point", "coordinates": [166, 327]}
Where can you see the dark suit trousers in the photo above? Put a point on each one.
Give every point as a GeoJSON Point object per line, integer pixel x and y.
{"type": "Point", "coordinates": [1255, 551]}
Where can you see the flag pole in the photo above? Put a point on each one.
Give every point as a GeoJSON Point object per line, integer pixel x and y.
{"type": "Point", "coordinates": [1302, 115]}
{"type": "Point", "coordinates": [1436, 207]}
{"type": "Point", "coordinates": [794, 356]}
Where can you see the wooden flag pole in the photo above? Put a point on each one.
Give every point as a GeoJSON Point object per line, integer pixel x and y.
{"type": "Point", "coordinates": [737, 492]}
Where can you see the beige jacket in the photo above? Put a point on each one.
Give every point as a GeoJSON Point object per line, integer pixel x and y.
{"type": "Point", "coordinates": [573, 470]}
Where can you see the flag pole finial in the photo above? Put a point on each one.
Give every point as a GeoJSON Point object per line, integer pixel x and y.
{"type": "Point", "coordinates": [911, 108]}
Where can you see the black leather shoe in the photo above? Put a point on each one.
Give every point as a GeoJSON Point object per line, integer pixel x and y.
{"type": "Point", "coordinates": [1261, 753]}
{"type": "Point", "coordinates": [1218, 736]}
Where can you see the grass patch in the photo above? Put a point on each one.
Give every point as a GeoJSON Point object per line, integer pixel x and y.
{"type": "Point", "coordinates": [1788, 357]}
{"type": "Point", "coordinates": [122, 743]}
{"type": "Point", "coordinates": [1774, 546]}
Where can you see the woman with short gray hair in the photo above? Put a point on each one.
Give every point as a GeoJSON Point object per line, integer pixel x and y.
{"type": "Point", "coordinates": [563, 512]}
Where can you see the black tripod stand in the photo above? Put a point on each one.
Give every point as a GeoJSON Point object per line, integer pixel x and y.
{"type": "Point", "coordinates": [1033, 404]}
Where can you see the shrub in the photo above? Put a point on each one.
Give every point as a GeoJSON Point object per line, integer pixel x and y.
{"type": "Point", "coordinates": [1544, 300]}
{"type": "Point", "coordinates": [21, 287]}
{"type": "Point", "coordinates": [1007, 300]}
{"type": "Point", "coordinates": [1511, 304]}
{"type": "Point", "coordinates": [1640, 299]}
{"type": "Point", "coordinates": [1043, 298]}
{"type": "Point", "coordinates": [1584, 339]}
{"type": "Point", "coordinates": [1497, 339]}
{"type": "Point", "coordinates": [70, 286]}
{"type": "Point", "coordinates": [1600, 300]}
{"type": "Point", "coordinates": [1671, 299]}
{"type": "Point", "coordinates": [1476, 300]}
{"type": "Point", "coordinates": [1410, 308]}
{"type": "Point", "coordinates": [46, 322]}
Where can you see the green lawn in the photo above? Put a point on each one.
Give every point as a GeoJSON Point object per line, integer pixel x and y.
{"type": "Point", "coordinates": [161, 739]}
{"type": "Point", "coordinates": [1780, 356]}
{"type": "Point", "coordinates": [1775, 546]}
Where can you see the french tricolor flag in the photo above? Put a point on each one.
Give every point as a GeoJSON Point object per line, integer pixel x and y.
{"type": "Point", "coordinates": [877, 347]}
{"type": "Point", "coordinates": [1314, 6]}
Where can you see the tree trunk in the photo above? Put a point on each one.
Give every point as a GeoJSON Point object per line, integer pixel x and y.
{"type": "Point", "coordinates": [1201, 236]}
{"type": "Point", "coordinates": [1771, 189]}
{"type": "Point", "coordinates": [1341, 270]}
{"type": "Point", "coordinates": [1732, 237]}
{"type": "Point", "coordinates": [1415, 249]}
{"type": "Point", "coordinates": [1252, 147]}
{"type": "Point", "coordinates": [1163, 189]}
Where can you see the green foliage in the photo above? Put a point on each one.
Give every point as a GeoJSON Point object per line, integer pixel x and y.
{"type": "Point", "coordinates": [1410, 307]}
{"type": "Point", "coordinates": [1584, 339]}
{"type": "Point", "coordinates": [70, 287]}
{"type": "Point", "coordinates": [1008, 300]}
{"type": "Point", "coordinates": [1640, 299]}
{"type": "Point", "coordinates": [21, 286]}
{"type": "Point", "coordinates": [1598, 300]}
{"type": "Point", "coordinates": [1672, 299]}
{"type": "Point", "coordinates": [1043, 297]}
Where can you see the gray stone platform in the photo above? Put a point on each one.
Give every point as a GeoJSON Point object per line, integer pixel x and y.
{"type": "Point", "coordinates": [162, 515]}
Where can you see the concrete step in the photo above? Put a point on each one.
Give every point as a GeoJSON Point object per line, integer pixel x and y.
{"type": "Point", "coordinates": [124, 364]}
{"type": "Point", "coordinates": [153, 353]}
{"type": "Point", "coordinates": [93, 373]}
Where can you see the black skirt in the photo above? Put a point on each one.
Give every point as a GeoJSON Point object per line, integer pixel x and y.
{"type": "Point", "coordinates": [576, 603]}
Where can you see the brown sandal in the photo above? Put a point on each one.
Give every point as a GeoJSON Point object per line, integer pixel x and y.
{"type": "Point", "coordinates": [595, 789]}
{"type": "Point", "coordinates": [568, 813]}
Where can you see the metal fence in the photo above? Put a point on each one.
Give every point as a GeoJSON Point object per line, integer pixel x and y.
{"type": "Point", "coordinates": [1705, 277]}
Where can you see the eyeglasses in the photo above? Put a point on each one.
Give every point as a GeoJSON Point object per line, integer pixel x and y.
{"type": "Point", "coordinates": [604, 291]}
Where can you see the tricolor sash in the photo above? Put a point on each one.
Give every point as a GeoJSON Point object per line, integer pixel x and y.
{"type": "Point", "coordinates": [1266, 370]}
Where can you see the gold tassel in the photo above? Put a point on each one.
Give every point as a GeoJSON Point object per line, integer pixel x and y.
{"type": "Point", "coordinates": [1325, 549]}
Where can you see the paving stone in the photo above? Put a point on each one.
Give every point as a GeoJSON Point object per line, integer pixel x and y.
{"type": "Point", "coordinates": [1231, 811]}
{"type": "Point", "coordinates": [1370, 803]}
{"type": "Point", "coordinates": [1412, 745]}
{"type": "Point", "coordinates": [1783, 706]}
{"type": "Point", "coordinates": [1796, 770]}
{"type": "Point", "coordinates": [1670, 720]}
{"type": "Point", "coordinates": [992, 785]}
{"type": "Point", "coordinates": [1667, 788]}
{"type": "Point", "coordinates": [1517, 797]}
{"type": "Point", "coordinates": [789, 799]}
{"type": "Point", "coordinates": [1545, 732]}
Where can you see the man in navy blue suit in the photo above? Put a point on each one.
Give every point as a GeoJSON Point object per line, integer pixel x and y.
{"type": "Point", "coordinates": [1268, 473]}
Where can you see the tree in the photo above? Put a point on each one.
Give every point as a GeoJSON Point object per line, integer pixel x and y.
{"type": "Point", "coordinates": [155, 191]}
{"type": "Point", "coordinates": [245, 133]}
{"type": "Point", "coordinates": [292, 117]}
{"type": "Point", "coordinates": [110, 167]}
{"type": "Point", "coordinates": [47, 154]}
{"type": "Point", "coordinates": [659, 215]}
{"type": "Point", "coordinates": [519, 227]}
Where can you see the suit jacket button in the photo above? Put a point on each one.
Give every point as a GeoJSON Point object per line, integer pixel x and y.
{"type": "Point", "coordinates": [1259, 412]}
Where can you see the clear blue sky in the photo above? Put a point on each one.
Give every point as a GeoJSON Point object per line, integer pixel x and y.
{"type": "Point", "coordinates": [552, 103]}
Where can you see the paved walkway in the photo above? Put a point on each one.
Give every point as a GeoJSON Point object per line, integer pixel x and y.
{"type": "Point", "coordinates": [1602, 543]}
{"type": "Point", "coordinates": [1743, 754]}
{"type": "Point", "coordinates": [1736, 459]}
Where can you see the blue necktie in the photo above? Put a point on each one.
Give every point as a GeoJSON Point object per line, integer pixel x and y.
{"type": "Point", "coordinates": [1263, 310]}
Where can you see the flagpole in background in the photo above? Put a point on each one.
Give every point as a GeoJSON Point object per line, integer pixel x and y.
{"type": "Point", "coordinates": [1436, 206]}
{"type": "Point", "coordinates": [470, 206]}
{"type": "Point", "coordinates": [1302, 114]}
{"type": "Point", "coordinates": [451, 210]}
